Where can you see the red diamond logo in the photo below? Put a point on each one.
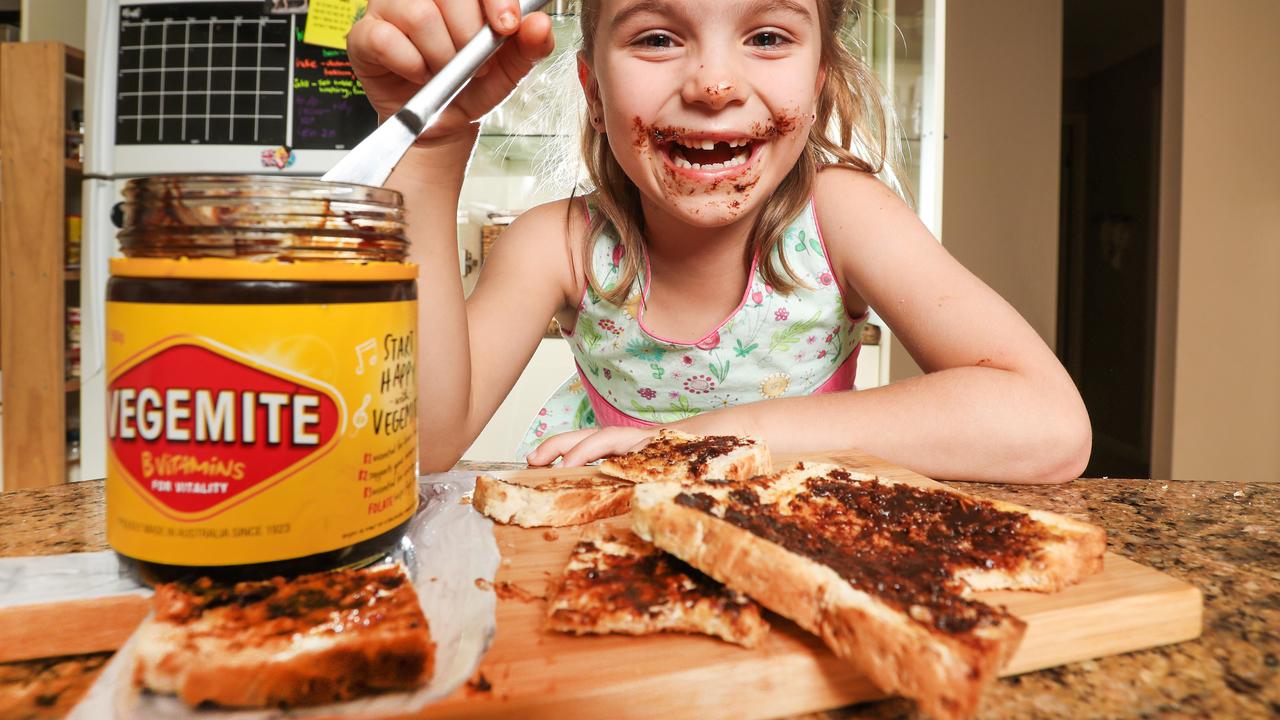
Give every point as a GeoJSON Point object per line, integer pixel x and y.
{"type": "Point", "coordinates": [198, 427]}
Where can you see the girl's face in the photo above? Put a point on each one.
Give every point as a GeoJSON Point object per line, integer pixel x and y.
{"type": "Point", "coordinates": [707, 104]}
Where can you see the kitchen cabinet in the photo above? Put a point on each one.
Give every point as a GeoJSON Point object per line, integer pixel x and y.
{"type": "Point", "coordinates": [41, 90]}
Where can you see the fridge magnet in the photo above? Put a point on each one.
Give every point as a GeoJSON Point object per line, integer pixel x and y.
{"type": "Point", "coordinates": [279, 157]}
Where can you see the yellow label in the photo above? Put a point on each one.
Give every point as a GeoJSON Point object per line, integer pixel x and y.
{"type": "Point", "coordinates": [243, 434]}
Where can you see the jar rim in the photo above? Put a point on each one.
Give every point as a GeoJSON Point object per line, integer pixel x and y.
{"type": "Point", "coordinates": [286, 217]}
{"type": "Point", "coordinates": [292, 187]}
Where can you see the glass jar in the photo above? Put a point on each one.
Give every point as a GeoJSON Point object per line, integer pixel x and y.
{"type": "Point", "coordinates": [262, 405]}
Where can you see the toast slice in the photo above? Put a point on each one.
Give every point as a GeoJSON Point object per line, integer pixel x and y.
{"type": "Point", "coordinates": [674, 456]}
{"type": "Point", "coordinates": [618, 583]}
{"type": "Point", "coordinates": [555, 503]}
{"type": "Point", "coordinates": [878, 569]}
{"type": "Point", "coordinates": [315, 639]}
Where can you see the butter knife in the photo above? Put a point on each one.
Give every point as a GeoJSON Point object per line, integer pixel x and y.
{"type": "Point", "coordinates": [370, 162]}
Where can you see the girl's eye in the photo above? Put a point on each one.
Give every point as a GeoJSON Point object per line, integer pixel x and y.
{"type": "Point", "coordinates": [655, 40]}
{"type": "Point", "coordinates": [768, 39]}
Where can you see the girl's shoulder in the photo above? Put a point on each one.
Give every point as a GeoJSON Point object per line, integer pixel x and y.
{"type": "Point", "coordinates": [860, 218]}
{"type": "Point", "coordinates": [843, 194]}
{"type": "Point", "coordinates": [568, 215]}
{"type": "Point", "coordinates": [549, 237]}
{"type": "Point", "coordinates": [854, 207]}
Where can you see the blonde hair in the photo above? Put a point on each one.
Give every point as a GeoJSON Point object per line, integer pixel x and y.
{"type": "Point", "coordinates": [852, 128]}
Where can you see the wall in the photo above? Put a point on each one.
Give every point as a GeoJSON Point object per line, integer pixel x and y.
{"type": "Point", "coordinates": [1166, 330]}
{"type": "Point", "coordinates": [1000, 181]}
{"type": "Point", "coordinates": [58, 20]}
{"type": "Point", "coordinates": [1226, 386]}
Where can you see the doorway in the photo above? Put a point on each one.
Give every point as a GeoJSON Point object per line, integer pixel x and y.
{"type": "Point", "coordinates": [1108, 222]}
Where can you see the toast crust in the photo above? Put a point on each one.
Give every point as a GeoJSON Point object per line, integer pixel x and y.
{"type": "Point", "coordinates": [924, 639]}
{"type": "Point", "coordinates": [556, 503]}
{"type": "Point", "coordinates": [678, 456]}
{"type": "Point", "coordinates": [316, 639]}
{"type": "Point", "coordinates": [945, 675]}
{"type": "Point", "coordinates": [617, 583]}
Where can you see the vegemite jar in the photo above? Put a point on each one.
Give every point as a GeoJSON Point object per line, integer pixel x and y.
{"type": "Point", "coordinates": [261, 396]}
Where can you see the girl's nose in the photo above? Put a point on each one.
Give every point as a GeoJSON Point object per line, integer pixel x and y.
{"type": "Point", "coordinates": [713, 87]}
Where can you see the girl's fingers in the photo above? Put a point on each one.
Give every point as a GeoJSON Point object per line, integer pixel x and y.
{"type": "Point", "coordinates": [512, 62]}
{"type": "Point", "coordinates": [610, 441]}
{"type": "Point", "coordinates": [376, 47]}
{"type": "Point", "coordinates": [423, 24]}
{"type": "Point", "coordinates": [535, 39]}
{"type": "Point", "coordinates": [463, 18]}
{"type": "Point", "coordinates": [555, 446]}
{"type": "Point", "coordinates": [587, 450]}
{"type": "Point", "coordinates": [503, 15]}
{"type": "Point", "coordinates": [640, 445]}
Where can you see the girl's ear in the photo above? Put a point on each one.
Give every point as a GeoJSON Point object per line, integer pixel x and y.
{"type": "Point", "coordinates": [591, 89]}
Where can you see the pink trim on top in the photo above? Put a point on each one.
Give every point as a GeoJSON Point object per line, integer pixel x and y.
{"type": "Point", "coordinates": [842, 378]}
{"type": "Point", "coordinates": [606, 414]}
{"type": "Point", "coordinates": [826, 254]}
{"type": "Point", "coordinates": [644, 297]}
{"type": "Point", "coordinates": [582, 299]}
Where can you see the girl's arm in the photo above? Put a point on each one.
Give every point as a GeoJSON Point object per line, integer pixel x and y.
{"type": "Point", "coordinates": [469, 354]}
{"type": "Point", "coordinates": [996, 404]}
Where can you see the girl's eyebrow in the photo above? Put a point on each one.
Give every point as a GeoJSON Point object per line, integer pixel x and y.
{"type": "Point", "coordinates": [656, 7]}
{"type": "Point", "coordinates": [788, 6]}
{"type": "Point", "coordinates": [661, 7]}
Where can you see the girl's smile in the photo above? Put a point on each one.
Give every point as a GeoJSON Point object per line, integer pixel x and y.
{"type": "Point", "coordinates": [704, 157]}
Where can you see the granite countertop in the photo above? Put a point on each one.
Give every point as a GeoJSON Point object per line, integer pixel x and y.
{"type": "Point", "coordinates": [1220, 536]}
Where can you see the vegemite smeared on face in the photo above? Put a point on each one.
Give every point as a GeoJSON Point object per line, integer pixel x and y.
{"type": "Point", "coordinates": [261, 391]}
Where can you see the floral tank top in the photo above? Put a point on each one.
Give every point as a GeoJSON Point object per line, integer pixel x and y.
{"type": "Point", "coordinates": [773, 345]}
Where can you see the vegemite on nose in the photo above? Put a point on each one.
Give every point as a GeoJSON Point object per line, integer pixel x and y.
{"type": "Point", "coordinates": [261, 394]}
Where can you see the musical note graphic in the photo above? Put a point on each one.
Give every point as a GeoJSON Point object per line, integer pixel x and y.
{"type": "Point", "coordinates": [370, 347]}
{"type": "Point", "coordinates": [360, 418]}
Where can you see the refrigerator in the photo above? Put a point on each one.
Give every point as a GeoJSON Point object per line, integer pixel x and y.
{"type": "Point", "coordinates": [198, 86]}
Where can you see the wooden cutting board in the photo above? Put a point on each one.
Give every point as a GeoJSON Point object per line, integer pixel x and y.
{"type": "Point", "coordinates": [532, 673]}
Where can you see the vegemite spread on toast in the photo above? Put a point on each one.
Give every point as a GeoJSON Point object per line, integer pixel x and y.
{"type": "Point", "coordinates": [897, 542]}
{"type": "Point", "coordinates": [694, 451]}
{"type": "Point", "coordinates": [639, 582]}
{"type": "Point", "coordinates": [261, 395]}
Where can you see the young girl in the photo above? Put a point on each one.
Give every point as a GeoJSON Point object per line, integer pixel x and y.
{"type": "Point", "coordinates": [718, 276]}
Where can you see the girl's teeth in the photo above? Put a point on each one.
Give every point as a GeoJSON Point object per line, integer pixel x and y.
{"type": "Point", "coordinates": [737, 160]}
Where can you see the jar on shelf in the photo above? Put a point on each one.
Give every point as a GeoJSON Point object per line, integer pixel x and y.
{"type": "Point", "coordinates": [73, 233]}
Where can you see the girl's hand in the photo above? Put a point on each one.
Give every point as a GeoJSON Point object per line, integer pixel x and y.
{"type": "Point", "coordinates": [400, 44]}
{"type": "Point", "coordinates": [583, 446]}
